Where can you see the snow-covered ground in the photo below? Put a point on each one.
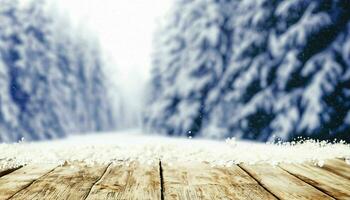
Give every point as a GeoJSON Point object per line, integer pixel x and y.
{"type": "Point", "coordinates": [132, 145]}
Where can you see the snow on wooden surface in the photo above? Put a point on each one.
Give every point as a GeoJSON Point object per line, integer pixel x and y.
{"type": "Point", "coordinates": [129, 146]}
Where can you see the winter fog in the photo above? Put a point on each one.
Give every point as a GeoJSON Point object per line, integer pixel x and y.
{"type": "Point", "coordinates": [125, 30]}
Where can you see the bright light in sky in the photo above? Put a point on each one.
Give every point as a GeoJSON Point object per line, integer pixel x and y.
{"type": "Point", "coordinates": [125, 29]}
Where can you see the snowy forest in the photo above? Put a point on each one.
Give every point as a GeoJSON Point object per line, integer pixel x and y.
{"type": "Point", "coordinates": [51, 80]}
{"type": "Point", "coordinates": [252, 69]}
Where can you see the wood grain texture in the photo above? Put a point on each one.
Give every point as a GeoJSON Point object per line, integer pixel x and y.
{"type": "Point", "coordinates": [338, 167]}
{"type": "Point", "coordinates": [201, 181]}
{"type": "Point", "coordinates": [65, 182]}
{"type": "Point", "coordinates": [330, 183]}
{"type": "Point", "coordinates": [128, 182]}
{"type": "Point", "coordinates": [21, 178]}
{"type": "Point", "coordinates": [282, 184]}
{"type": "Point", "coordinates": [180, 181]}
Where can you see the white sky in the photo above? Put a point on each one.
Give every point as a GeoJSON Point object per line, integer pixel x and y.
{"type": "Point", "coordinates": [125, 29]}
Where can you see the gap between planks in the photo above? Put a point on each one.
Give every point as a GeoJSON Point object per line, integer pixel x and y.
{"type": "Point", "coordinates": [21, 179]}
{"type": "Point", "coordinates": [282, 184]}
{"type": "Point", "coordinates": [324, 180]}
{"type": "Point", "coordinates": [87, 195]}
{"type": "Point", "coordinates": [128, 181]}
{"type": "Point", "coordinates": [6, 171]}
{"type": "Point", "coordinates": [266, 188]}
{"type": "Point", "coordinates": [161, 180]}
{"type": "Point", "coordinates": [191, 181]}
{"type": "Point", "coordinates": [64, 182]}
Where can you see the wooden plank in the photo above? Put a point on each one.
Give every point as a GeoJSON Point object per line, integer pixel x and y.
{"type": "Point", "coordinates": [330, 183]}
{"type": "Point", "coordinates": [201, 181]}
{"type": "Point", "coordinates": [65, 182]}
{"type": "Point", "coordinates": [128, 182]}
{"type": "Point", "coordinates": [338, 167]}
{"type": "Point", "coordinates": [282, 184]}
{"type": "Point", "coordinates": [21, 178]}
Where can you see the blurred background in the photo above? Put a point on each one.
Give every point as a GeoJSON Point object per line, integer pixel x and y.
{"type": "Point", "coordinates": [253, 69]}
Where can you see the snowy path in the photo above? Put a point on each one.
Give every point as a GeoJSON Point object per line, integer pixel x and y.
{"type": "Point", "coordinates": [131, 146]}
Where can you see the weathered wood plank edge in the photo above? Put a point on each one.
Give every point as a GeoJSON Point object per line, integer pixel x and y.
{"type": "Point", "coordinates": [203, 181]}
{"type": "Point", "coordinates": [33, 181]}
{"type": "Point", "coordinates": [335, 166]}
{"type": "Point", "coordinates": [283, 184]}
{"type": "Point", "coordinates": [67, 181]}
{"type": "Point", "coordinates": [124, 180]}
{"type": "Point", "coordinates": [269, 191]}
{"type": "Point", "coordinates": [317, 188]}
{"type": "Point", "coordinates": [87, 194]}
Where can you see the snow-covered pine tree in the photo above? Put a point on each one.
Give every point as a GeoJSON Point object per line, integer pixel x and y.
{"type": "Point", "coordinates": [293, 81]}
{"type": "Point", "coordinates": [8, 109]}
{"type": "Point", "coordinates": [52, 80]}
{"type": "Point", "coordinates": [287, 74]}
{"type": "Point", "coordinates": [193, 49]}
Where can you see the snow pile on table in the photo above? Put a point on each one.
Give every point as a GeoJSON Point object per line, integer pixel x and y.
{"type": "Point", "coordinates": [129, 147]}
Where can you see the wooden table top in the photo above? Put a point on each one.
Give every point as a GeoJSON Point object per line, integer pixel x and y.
{"type": "Point", "coordinates": [177, 181]}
